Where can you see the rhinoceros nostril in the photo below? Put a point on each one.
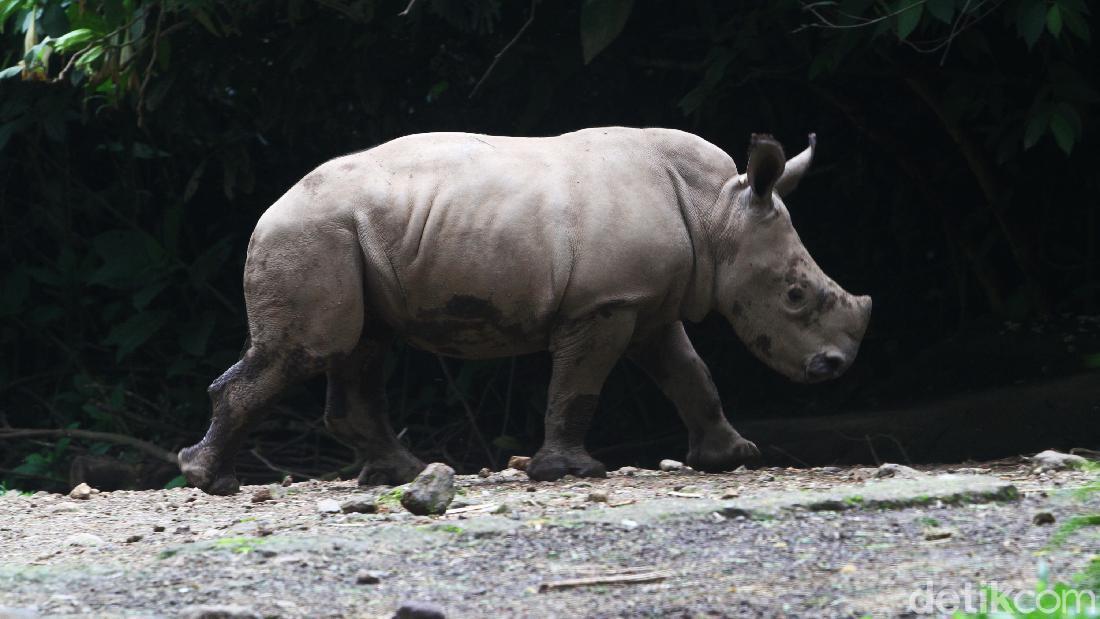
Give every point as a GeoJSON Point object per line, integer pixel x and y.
{"type": "Point", "coordinates": [825, 365]}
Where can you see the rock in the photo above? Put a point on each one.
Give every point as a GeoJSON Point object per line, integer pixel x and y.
{"type": "Point", "coordinates": [502, 509]}
{"type": "Point", "coordinates": [84, 539]}
{"type": "Point", "coordinates": [263, 494]}
{"type": "Point", "coordinates": [158, 528]}
{"type": "Point", "coordinates": [518, 462]}
{"type": "Point", "coordinates": [970, 470]}
{"type": "Point", "coordinates": [598, 496]}
{"type": "Point", "coordinates": [219, 611]}
{"type": "Point", "coordinates": [359, 505]}
{"type": "Point", "coordinates": [84, 492]}
{"type": "Point", "coordinates": [848, 569]}
{"type": "Point", "coordinates": [484, 472]}
{"type": "Point", "coordinates": [901, 471]}
{"type": "Point", "coordinates": [431, 492]}
{"type": "Point", "coordinates": [1051, 460]}
{"type": "Point", "coordinates": [1041, 518]}
{"type": "Point", "coordinates": [288, 481]}
{"type": "Point", "coordinates": [134, 538]}
{"type": "Point", "coordinates": [419, 610]}
{"type": "Point", "coordinates": [829, 469]}
{"type": "Point", "coordinates": [935, 533]}
{"type": "Point", "coordinates": [862, 473]}
{"type": "Point", "coordinates": [366, 577]}
{"type": "Point", "coordinates": [628, 471]}
{"type": "Point", "coordinates": [328, 506]}
{"type": "Point", "coordinates": [732, 493]}
{"type": "Point", "coordinates": [671, 465]}
{"type": "Point", "coordinates": [512, 474]}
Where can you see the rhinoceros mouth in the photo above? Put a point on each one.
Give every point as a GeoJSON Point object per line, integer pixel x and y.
{"type": "Point", "coordinates": [825, 366]}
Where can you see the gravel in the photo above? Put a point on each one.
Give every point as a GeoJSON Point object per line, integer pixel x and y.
{"type": "Point", "coordinates": [166, 553]}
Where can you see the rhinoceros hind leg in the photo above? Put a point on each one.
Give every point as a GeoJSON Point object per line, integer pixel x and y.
{"type": "Point", "coordinates": [356, 413]}
{"type": "Point", "coordinates": [240, 397]}
{"type": "Point", "coordinates": [583, 354]}
{"type": "Point", "coordinates": [669, 358]}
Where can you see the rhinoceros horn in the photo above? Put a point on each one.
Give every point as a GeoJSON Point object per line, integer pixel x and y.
{"type": "Point", "coordinates": [796, 168]}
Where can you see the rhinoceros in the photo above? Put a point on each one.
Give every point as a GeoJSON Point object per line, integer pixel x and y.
{"type": "Point", "coordinates": [592, 245]}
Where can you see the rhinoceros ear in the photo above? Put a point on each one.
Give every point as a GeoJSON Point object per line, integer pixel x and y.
{"type": "Point", "coordinates": [796, 168]}
{"type": "Point", "coordinates": [766, 162]}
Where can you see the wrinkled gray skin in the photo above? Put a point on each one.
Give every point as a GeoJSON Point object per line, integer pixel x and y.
{"type": "Point", "coordinates": [591, 245]}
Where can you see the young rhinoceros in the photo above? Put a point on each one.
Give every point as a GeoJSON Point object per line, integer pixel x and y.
{"type": "Point", "coordinates": [591, 245]}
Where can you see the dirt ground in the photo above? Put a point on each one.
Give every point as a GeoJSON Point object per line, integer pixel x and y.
{"type": "Point", "coordinates": [823, 542]}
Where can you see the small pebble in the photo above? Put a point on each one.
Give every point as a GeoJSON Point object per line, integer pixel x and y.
{"type": "Point", "coordinates": [935, 533]}
{"type": "Point", "coordinates": [328, 506]}
{"type": "Point", "coordinates": [82, 491]}
{"type": "Point", "coordinates": [365, 577]}
{"type": "Point", "coordinates": [419, 610]}
{"type": "Point", "coordinates": [671, 465]}
{"type": "Point", "coordinates": [518, 462]}
{"type": "Point", "coordinates": [133, 538]}
{"type": "Point", "coordinates": [484, 473]}
{"type": "Point", "coordinates": [1043, 518]}
{"type": "Point", "coordinates": [262, 495]}
{"type": "Point", "coordinates": [288, 481]}
{"type": "Point", "coordinates": [598, 496]}
{"type": "Point", "coordinates": [359, 505]}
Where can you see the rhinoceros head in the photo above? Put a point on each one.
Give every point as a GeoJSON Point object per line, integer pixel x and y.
{"type": "Point", "coordinates": [792, 316]}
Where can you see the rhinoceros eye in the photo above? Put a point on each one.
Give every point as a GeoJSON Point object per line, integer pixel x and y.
{"type": "Point", "coordinates": [795, 295]}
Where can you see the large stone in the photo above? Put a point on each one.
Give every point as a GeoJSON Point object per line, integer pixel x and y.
{"type": "Point", "coordinates": [1051, 460]}
{"type": "Point", "coordinates": [431, 492]}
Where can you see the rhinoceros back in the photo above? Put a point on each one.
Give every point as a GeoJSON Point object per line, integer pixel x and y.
{"type": "Point", "coordinates": [476, 245]}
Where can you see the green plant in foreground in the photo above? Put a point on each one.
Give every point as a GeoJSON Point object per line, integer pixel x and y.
{"type": "Point", "coordinates": [238, 545]}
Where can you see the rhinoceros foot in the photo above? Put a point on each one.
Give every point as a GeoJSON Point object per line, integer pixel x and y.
{"type": "Point", "coordinates": [393, 471]}
{"type": "Point", "coordinates": [196, 466]}
{"type": "Point", "coordinates": [550, 465]}
{"type": "Point", "coordinates": [726, 456]}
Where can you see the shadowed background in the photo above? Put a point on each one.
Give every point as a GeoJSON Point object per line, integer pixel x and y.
{"type": "Point", "coordinates": [955, 182]}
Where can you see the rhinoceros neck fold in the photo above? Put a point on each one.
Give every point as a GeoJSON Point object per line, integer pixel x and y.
{"type": "Point", "coordinates": [698, 291]}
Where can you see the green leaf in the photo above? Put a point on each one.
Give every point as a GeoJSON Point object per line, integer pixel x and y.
{"type": "Point", "coordinates": [1036, 125]}
{"type": "Point", "coordinates": [10, 72]}
{"type": "Point", "coordinates": [943, 10]}
{"type": "Point", "coordinates": [137, 330]}
{"type": "Point", "coordinates": [1054, 20]}
{"type": "Point", "coordinates": [178, 481]}
{"type": "Point", "coordinates": [1076, 24]}
{"type": "Point", "coordinates": [1031, 20]}
{"type": "Point", "coordinates": [71, 39]}
{"type": "Point", "coordinates": [1063, 132]}
{"type": "Point", "coordinates": [601, 23]}
{"type": "Point", "coordinates": [908, 18]}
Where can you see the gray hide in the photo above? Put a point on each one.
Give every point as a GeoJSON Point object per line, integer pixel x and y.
{"type": "Point", "coordinates": [591, 245]}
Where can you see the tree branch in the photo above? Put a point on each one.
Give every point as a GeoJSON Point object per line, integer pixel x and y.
{"type": "Point", "coordinates": [109, 437]}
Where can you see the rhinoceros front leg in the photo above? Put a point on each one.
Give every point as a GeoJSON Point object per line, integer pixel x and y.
{"type": "Point", "coordinates": [355, 411]}
{"type": "Point", "coordinates": [583, 352]}
{"type": "Point", "coordinates": [669, 358]}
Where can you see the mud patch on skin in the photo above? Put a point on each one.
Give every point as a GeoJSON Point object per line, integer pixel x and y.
{"type": "Point", "coordinates": [313, 182]}
{"type": "Point", "coordinates": [467, 325]}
